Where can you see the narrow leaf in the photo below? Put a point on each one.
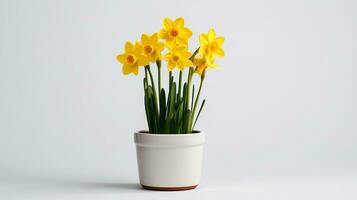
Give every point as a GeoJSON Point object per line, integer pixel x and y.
{"type": "Point", "coordinates": [193, 96]}
{"type": "Point", "coordinates": [162, 110]}
{"type": "Point", "coordinates": [199, 112]}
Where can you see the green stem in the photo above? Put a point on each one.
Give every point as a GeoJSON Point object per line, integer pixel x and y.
{"type": "Point", "coordinates": [158, 63]}
{"type": "Point", "coordinates": [189, 78]}
{"type": "Point", "coordinates": [154, 91]}
{"type": "Point", "coordinates": [198, 96]}
{"type": "Point", "coordinates": [152, 79]}
{"type": "Point", "coordinates": [170, 75]}
{"type": "Point", "coordinates": [198, 93]}
{"type": "Point", "coordinates": [146, 75]}
{"type": "Point", "coordinates": [180, 85]}
{"type": "Point", "coordinates": [148, 118]}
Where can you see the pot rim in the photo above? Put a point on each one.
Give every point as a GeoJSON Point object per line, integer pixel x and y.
{"type": "Point", "coordinates": [169, 140]}
{"type": "Point", "coordinates": [145, 132]}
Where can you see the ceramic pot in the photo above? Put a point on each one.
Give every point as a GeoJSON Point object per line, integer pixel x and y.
{"type": "Point", "coordinates": [169, 161]}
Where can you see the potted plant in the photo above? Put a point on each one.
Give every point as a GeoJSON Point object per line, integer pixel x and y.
{"type": "Point", "coordinates": [169, 153]}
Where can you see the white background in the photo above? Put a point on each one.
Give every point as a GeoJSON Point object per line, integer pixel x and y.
{"type": "Point", "coordinates": [280, 116]}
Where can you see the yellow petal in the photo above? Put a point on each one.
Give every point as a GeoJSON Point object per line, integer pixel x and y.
{"type": "Point", "coordinates": [160, 46]}
{"type": "Point", "coordinates": [158, 50]}
{"type": "Point", "coordinates": [168, 57]}
{"type": "Point", "coordinates": [167, 23]}
{"type": "Point", "coordinates": [126, 69]}
{"type": "Point", "coordinates": [129, 47]}
{"type": "Point", "coordinates": [138, 49]}
{"type": "Point", "coordinates": [219, 40]}
{"type": "Point", "coordinates": [186, 62]}
{"type": "Point", "coordinates": [199, 70]}
{"type": "Point", "coordinates": [170, 42]}
{"type": "Point", "coordinates": [121, 58]}
{"type": "Point", "coordinates": [135, 70]}
{"type": "Point", "coordinates": [151, 58]}
{"type": "Point", "coordinates": [180, 66]}
{"type": "Point", "coordinates": [171, 66]}
{"type": "Point", "coordinates": [198, 61]}
{"type": "Point", "coordinates": [179, 49]}
{"type": "Point", "coordinates": [163, 34]}
{"type": "Point", "coordinates": [203, 39]}
{"type": "Point", "coordinates": [211, 35]}
{"type": "Point", "coordinates": [213, 66]}
{"type": "Point", "coordinates": [158, 56]}
{"type": "Point", "coordinates": [182, 41]}
{"type": "Point", "coordinates": [186, 32]}
{"type": "Point", "coordinates": [142, 60]}
{"type": "Point", "coordinates": [185, 54]}
{"type": "Point", "coordinates": [220, 52]}
{"type": "Point", "coordinates": [179, 22]}
{"type": "Point", "coordinates": [145, 39]}
{"type": "Point", "coordinates": [209, 58]}
{"type": "Point", "coordinates": [154, 38]}
{"type": "Point", "coordinates": [202, 49]}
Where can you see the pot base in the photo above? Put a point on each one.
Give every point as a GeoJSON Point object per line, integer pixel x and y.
{"type": "Point", "coordinates": [169, 188]}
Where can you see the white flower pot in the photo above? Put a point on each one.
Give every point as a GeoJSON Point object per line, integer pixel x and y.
{"type": "Point", "coordinates": [169, 161]}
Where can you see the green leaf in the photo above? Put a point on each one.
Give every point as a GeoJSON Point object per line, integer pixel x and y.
{"type": "Point", "coordinates": [187, 121]}
{"type": "Point", "coordinates": [172, 100]}
{"type": "Point", "coordinates": [194, 54]}
{"type": "Point", "coordinates": [171, 107]}
{"type": "Point", "coordinates": [193, 95]}
{"type": "Point", "coordinates": [180, 118]}
{"type": "Point", "coordinates": [185, 100]}
{"type": "Point", "coordinates": [199, 112]}
{"type": "Point", "coordinates": [174, 122]}
{"type": "Point", "coordinates": [154, 115]}
{"type": "Point", "coordinates": [162, 110]}
{"type": "Point", "coordinates": [147, 106]}
{"type": "Point", "coordinates": [148, 114]}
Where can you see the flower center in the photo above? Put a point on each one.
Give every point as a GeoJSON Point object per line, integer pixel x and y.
{"type": "Point", "coordinates": [173, 33]}
{"type": "Point", "coordinates": [175, 58]}
{"type": "Point", "coordinates": [130, 59]}
{"type": "Point", "coordinates": [148, 49]}
{"type": "Point", "coordinates": [213, 47]}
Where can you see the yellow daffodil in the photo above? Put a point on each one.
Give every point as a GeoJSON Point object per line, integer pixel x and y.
{"type": "Point", "coordinates": [151, 47]}
{"type": "Point", "coordinates": [174, 32]}
{"type": "Point", "coordinates": [132, 58]}
{"type": "Point", "coordinates": [211, 46]}
{"type": "Point", "coordinates": [179, 57]}
{"type": "Point", "coordinates": [201, 64]}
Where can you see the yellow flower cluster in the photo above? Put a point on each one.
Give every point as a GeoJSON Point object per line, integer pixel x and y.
{"type": "Point", "coordinates": [211, 47]}
{"type": "Point", "coordinates": [175, 36]}
{"type": "Point", "coordinates": [140, 54]}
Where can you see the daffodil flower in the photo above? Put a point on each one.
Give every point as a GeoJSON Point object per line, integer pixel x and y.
{"type": "Point", "coordinates": [201, 64]}
{"type": "Point", "coordinates": [152, 48]}
{"type": "Point", "coordinates": [174, 32]}
{"type": "Point", "coordinates": [179, 57]}
{"type": "Point", "coordinates": [132, 58]}
{"type": "Point", "coordinates": [211, 46]}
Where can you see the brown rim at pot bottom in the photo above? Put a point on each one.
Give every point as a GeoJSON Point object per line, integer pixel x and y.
{"type": "Point", "coordinates": [169, 188]}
